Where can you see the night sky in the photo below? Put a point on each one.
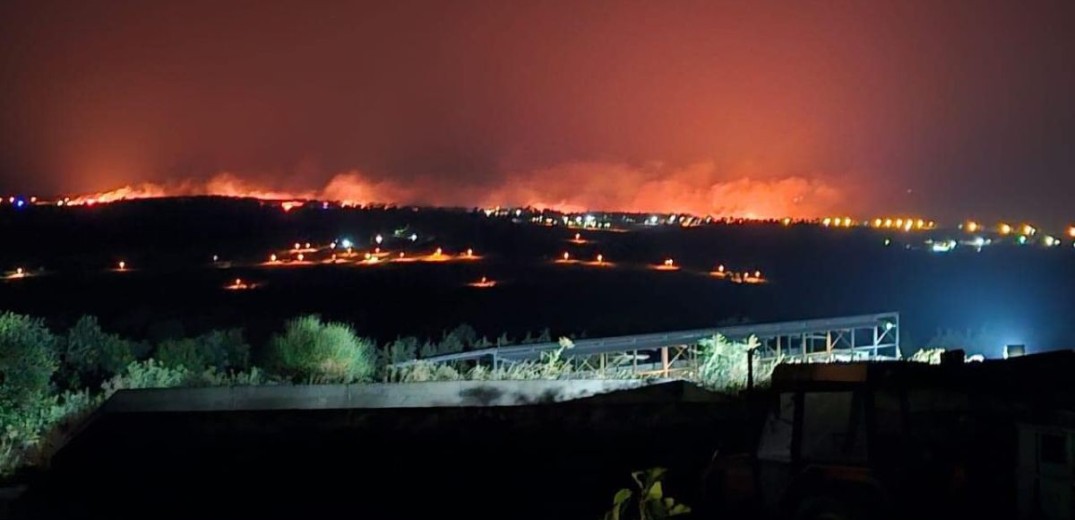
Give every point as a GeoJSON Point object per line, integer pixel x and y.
{"type": "Point", "coordinates": [939, 108]}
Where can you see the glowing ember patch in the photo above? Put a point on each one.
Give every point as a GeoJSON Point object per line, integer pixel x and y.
{"type": "Point", "coordinates": [240, 285]}
{"type": "Point", "coordinates": [667, 265]}
{"type": "Point", "coordinates": [483, 283]}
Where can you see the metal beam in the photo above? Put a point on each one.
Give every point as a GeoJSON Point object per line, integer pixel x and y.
{"type": "Point", "coordinates": [838, 333]}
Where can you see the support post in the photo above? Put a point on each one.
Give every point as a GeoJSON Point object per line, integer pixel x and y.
{"type": "Point", "coordinates": [750, 369]}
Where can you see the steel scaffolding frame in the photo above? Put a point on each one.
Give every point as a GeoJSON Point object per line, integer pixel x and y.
{"type": "Point", "coordinates": [672, 354]}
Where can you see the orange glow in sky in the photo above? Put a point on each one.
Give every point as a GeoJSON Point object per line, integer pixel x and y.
{"type": "Point", "coordinates": [696, 189]}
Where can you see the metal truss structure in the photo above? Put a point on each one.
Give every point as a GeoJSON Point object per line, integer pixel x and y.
{"type": "Point", "coordinates": [865, 337]}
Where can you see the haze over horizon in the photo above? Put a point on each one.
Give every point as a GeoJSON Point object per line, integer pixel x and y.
{"type": "Point", "coordinates": [769, 109]}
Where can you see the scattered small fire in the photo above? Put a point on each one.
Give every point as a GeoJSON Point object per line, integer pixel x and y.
{"type": "Point", "coordinates": [577, 239]}
{"type": "Point", "coordinates": [483, 283]}
{"type": "Point", "coordinates": [239, 284]}
{"type": "Point", "coordinates": [667, 265]}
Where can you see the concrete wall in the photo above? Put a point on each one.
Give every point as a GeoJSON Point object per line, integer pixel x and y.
{"type": "Point", "coordinates": [381, 395]}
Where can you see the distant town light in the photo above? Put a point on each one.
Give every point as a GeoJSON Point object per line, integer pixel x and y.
{"type": "Point", "coordinates": [1005, 229]}
{"type": "Point", "coordinates": [600, 258]}
{"type": "Point", "coordinates": [378, 239]}
{"type": "Point", "coordinates": [301, 257]}
{"type": "Point", "coordinates": [122, 265]}
{"type": "Point", "coordinates": [272, 258]}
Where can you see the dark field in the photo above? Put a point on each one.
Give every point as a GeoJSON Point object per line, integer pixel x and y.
{"type": "Point", "coordinates": [172, 287]}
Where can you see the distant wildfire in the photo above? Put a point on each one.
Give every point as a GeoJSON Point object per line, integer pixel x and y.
{"type": "Point", "coordinates": [697, 189]}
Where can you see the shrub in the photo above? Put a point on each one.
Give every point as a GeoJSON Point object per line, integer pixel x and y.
{"type": "Point", "coordinates": [225, 350]}
{"type": "Point", "coordinates": [402, 349]}
{"type": "Point", "coordinates": [27, 362]}
{"type": "Point", "coordinates": [312, 351]}
{"type": "Point", "coordinates": [928, 355]}
{"type": "Point", "coordinates": [216, 350]}
{"type": "Point", "coordinates": [422, 372]}
{"type": "Point", "coordinates": [91, 355]}
{"type": "Point", "coordinates": [723, 363]}
{"type": "Point", "coordinates": [181, 353]}
{"type": "Point", "coordinates": [32, 433]}
{"type": "Point", "coordinates": [147, 374]}
{"type": "Point", "coordinates": [213, 377]}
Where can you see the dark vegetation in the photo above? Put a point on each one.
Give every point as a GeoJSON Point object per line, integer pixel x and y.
{"type": "Point", "coordinates": [49, 380]}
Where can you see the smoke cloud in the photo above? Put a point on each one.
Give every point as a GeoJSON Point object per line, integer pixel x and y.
{"type": "Point", "coordinates": [695, 189]}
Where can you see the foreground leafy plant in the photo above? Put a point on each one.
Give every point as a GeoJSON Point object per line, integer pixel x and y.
{"type": "Point", "coordinates": [648, 502]}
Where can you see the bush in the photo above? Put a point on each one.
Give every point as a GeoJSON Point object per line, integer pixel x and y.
{"type": "Point", "coordinates": [181, 353]}
{"type": "Point", "coordinates": [402, 349]}
{"type": "Point", "coordinates": [217, 350]}
{"type": "Point", "coordinates": [147, 374]}
{"type": "Point", "coordinates": [316, 352]}
{"type": "Point", "coordinates": [722, 363]}
{"type": "Point", "coordinates": [91, 355]}
{"type": "Point", "coordinates": [32, 433]}
{"type": "Point", "coordinates": [27, 362]}
{"type": "Point", "coordinates": [225, 350]}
